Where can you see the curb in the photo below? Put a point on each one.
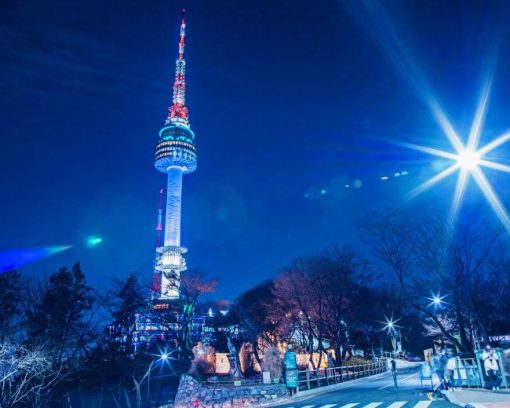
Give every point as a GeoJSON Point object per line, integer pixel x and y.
{"type": "Point", "coordinates": [450, 398]}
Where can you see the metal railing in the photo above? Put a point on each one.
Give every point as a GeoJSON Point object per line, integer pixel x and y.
{"type": "Point", "coordinates": [320, 377]}
{"type": "Point", "coordinates": [391, 354]}
{"type": "Point", "coordinates": [227, 382]}
{"type": "Point", "coordinates": [469, 372]}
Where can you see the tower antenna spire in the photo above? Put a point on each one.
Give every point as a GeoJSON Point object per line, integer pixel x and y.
{"type": "Point", "coordinates": [178, 112]}
{"type": "Point", "coordinates": [182, 35]}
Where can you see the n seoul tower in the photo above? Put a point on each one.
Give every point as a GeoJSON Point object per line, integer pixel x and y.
{"type": "Point", "coordinates": [175, 156]}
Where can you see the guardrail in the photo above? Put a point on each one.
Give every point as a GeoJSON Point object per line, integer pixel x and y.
{"type": "Point", "coordinates": [308, 379]}
{"type": "Point", "coordinates": [231, 383]}
{"type": "Point", "coordinates": [469, 372]}
{"type": "Point", "coordinates": [389, 354]}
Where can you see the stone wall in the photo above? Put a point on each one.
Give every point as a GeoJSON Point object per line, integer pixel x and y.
{"type": "Point", "coordinates": [192, 393]}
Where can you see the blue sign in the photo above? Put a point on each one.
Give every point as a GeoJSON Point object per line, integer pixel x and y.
{"type": "Point", "coordinates": [291, 378]}
{"type": "Point", "coordinates": [289, 360]}
{"type": "Point", "coordinates": [425, 372]}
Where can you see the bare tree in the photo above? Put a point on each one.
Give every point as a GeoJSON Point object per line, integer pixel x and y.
{"type": "Point", "coordinates": [429, 260]}
{"type": "Point", "coordinates": [25, 375]}
{"type": "Point", "coordinates": [323, 294]}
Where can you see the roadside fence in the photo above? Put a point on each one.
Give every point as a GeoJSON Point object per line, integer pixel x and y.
{"type": "Point", "coordinates": [321, 377]}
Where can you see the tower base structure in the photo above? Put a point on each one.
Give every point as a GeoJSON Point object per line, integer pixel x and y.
{"type": "Point", "coordinates": [170, 263]}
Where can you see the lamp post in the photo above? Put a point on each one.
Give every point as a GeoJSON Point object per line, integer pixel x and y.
{"type": "Point", "coordinates": [163, 357]}
{"type": "Point", "coordinates": [391, 328]}
{"type": "Point", "coordinates": [437, 303]}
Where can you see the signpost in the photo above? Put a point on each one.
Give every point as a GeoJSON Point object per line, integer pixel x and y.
{"type": "Point", "coordinates": [426, 374]}
{"type": "Point", "coordinates": [291, 374]}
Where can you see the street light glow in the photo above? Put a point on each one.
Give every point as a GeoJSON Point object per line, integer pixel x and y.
{"type": "Point", "coordinates": [390, 325]}
{"type": "Point", "coordinates": [164, 356]}
{"type": "Point", "coordinates": [436, 300]}
{"type": "Point", "coordinates": [469, 159]}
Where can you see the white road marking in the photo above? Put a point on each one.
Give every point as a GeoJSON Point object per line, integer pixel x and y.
{"type": "Point", "coordinates": [307, 406]}
{"type": "Point", "coordinates": [397, 404]}
{"type": "Point", "coordinates": [423, 404]}
{"type": "Point", "coordinates": [349, 405]}
{"type": "Point", "coordinates": [328, 406]}
{"type": "Point", "coordinates": [373, 405]}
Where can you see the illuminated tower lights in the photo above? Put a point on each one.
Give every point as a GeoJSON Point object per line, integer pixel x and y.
{"type": "Point", "coordinates": [156, 281]}
{"type": "Point", "coordinates": [175, 156]}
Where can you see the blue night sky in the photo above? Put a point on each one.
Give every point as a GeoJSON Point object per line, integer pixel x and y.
{"type": "Point", "coordinates": [286, 98]}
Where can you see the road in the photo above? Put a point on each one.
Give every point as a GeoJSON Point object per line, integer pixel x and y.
{"type": "Point", "coordinates": [374, 392]}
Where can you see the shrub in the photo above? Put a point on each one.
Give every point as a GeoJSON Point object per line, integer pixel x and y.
{"type": "Point", "coordinates": [273, 362]}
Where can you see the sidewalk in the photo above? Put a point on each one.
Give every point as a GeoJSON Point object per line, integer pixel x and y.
{"type": "Point", "coordinates": [478, 398]}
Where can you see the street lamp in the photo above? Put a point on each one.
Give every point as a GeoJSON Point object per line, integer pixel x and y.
{"type": "Point", "coordinates": [391, 328]}
{"type": "Point", "coordinates": [436, 300]}
{"type": "Point", "coordinates": [159, 357]}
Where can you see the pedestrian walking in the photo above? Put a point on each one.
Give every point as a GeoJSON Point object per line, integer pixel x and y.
{"type": "Point", "coordinates": [394, 373]}
{"type": "Point", "coordinates": [491, 365]}
{"type": "Point", "coordinates": [438, 365]}
{"type": "Point", "coordinates": [455, 371]}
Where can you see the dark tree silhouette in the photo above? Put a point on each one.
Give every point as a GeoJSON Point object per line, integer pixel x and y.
{"type": "Point", "coordinates": [60, 317]}
{"type": "Point", "coordinates": [11, 298]}
{"type": "Point", "coordinates": [131, 301]}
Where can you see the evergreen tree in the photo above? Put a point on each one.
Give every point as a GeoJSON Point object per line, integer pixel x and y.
{"type": "Point", "coordinates": [131, 303]}
{"type": "Point", "coordinates": [59, 318]}
{"type": "Point", "coordinates": [10, 303]}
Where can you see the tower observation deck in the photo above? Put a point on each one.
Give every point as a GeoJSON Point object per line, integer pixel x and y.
{"type": "Point", "coordinates": [175, 156]}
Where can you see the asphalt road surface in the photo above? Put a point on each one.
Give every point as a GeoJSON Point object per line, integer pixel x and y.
{"type": "Point", "coordinates": [374, 392]}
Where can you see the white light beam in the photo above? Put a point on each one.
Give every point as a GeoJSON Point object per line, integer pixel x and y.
{"type": "Point", "coordinates": [460, 188]}
{"type": "Point", "coordinates": [434, 180]}
{"type": "Point", "coordinates": [491, 196]}
{"type": "Point", "coordinates": [492, 165]}
{"type": "Point", "coordinates": [481, 111]}
{"type": "Point", "coordinates": [430, 150]}
{"type": "Point", "coordinates": [495, 143]}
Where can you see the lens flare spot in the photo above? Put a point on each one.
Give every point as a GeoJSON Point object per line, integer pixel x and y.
{"type": "Point", "coordinates": [93, 241]}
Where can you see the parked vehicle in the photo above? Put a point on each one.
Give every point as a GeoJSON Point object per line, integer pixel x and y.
{"type": "Point", "coordinates": [412, 357]}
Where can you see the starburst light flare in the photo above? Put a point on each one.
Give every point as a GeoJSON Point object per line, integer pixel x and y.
{"type": "Point", "coordinates": [468, 160]}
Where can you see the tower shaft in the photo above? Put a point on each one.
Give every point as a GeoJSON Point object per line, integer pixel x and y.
{"type": "Point", "coordinates": [173, 207]}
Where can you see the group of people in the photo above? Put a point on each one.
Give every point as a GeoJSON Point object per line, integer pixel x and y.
{"type": "Point", "coordinates": [444, 365]}
{"type": "Point", "coordinates": [449, 368]}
